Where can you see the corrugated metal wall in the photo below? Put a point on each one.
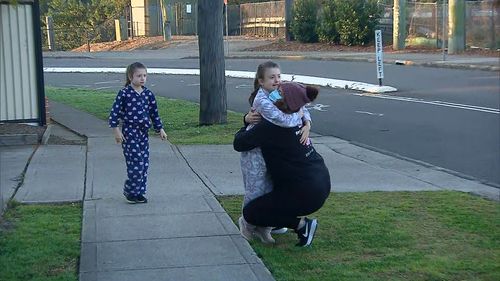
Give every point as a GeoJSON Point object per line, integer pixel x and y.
{"type": "Point", "coordinates": [18, 81]}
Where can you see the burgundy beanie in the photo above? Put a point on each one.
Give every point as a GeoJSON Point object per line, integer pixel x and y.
{"type": "Point", "coordinates": [295, 95]}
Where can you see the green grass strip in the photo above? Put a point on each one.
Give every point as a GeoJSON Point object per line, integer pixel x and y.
{"type": "Point", "coordinates": [40, 242]}
{"type": "Point", "coordinates": [179, 117]}
{"type": "Point", "coordinates": [391, 236]}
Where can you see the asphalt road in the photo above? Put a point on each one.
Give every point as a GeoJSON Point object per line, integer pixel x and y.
{"type": "Point", "coordinates": [444, 117]}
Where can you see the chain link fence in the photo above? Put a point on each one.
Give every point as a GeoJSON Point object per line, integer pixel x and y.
{"type": "Point", "coordinates": [71, 37]}
{"type": "Point", "coordinates": [425, 24]}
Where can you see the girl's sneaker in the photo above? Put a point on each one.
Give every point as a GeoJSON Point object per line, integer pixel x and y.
{"type": "Point", "coordinates": [245, 230]}
{"type": "Point", "coordinates": [306, 233]}
{"type": "Point", "coordinates": [264, 234]}
{"type": "Point", "coordinates": [130, 198]}
{"type": "Point", "coordinates": [135, 199]}
{"type": "Point", "coordinates": [142, 199]}
{"type": "Point", "coordinates": [279, 230]}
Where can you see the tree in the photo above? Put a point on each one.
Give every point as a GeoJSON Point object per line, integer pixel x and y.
{"type": "Point", "coordinates": [213, 104]}
{"type": "Point", "coordinates": [304, 21]}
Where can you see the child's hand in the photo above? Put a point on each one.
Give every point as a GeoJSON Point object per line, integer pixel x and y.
{"type": "Point", "coordinates": [252, 117]}
{"type": "Point", "coordinates": [119, 138]}
{"type": "Point", "coordinates": [304, 132]}
{"type": "Point", "coordinates": [163, 135]}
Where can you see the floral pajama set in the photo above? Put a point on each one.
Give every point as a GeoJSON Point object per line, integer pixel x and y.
{"type": "Point", "coordinates": [138, 112]}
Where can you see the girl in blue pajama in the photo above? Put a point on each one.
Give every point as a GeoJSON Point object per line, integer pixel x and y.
{"type": "Point", "coordinates": [135, 105]}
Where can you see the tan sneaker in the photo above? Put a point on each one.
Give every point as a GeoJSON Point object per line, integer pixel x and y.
{"type": "Point", "coordinates": [246, 230]}
{"type": "Point", "coordinates": [264, 234]}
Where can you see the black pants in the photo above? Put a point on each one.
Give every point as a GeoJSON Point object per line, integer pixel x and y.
{"type": "Point", "coordinates": [282, 207]}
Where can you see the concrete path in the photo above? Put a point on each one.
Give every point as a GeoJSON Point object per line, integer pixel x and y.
{"type": "Point", "coordinates": [181, 234]}
{"type": "Point", "coordinates": [13, 161]}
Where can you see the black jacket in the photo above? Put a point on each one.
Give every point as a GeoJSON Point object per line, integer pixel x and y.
{"type": "Point", "coordinates": [290, 164]}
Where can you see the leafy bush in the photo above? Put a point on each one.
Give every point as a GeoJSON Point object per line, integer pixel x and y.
{"type": "Point", "coordinates": [304, 21]}
{"type": "Point", "coordinates": [348, 22]}
{"type": "Point", "coordinates": [326, 29]}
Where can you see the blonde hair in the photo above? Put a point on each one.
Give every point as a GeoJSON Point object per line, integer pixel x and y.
{"type": "Point", "coordinates": [131, 70]}
{"type": "Point", "coordinates": [261, 71]}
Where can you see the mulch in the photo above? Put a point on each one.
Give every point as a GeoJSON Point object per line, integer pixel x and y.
{"type": "Point", "coordinates": [22, 129]}
{"type": "Point", "coordinates": [281, 45]}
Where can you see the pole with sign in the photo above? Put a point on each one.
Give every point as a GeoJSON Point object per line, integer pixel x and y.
{"type": "Point", "coordinates": [379, 57]}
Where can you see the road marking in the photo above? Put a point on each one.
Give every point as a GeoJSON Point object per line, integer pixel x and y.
{"type": "Point", "coordinates": [244, 86]}
{"type": "Point", "coordinates": [312, 80]}
{"type": "Point", "coordinates": [370, 113]}
{"type": "Point", "coordinates": [107, 82]}
{"type": "Point", "coordinates": [75, 86]}
{"type": "Point", "coordinates": [193, 84]}
{"type": "Point", "coordinates": [318, 107]}
{"type": "Point", "coordinates": [437, 103]}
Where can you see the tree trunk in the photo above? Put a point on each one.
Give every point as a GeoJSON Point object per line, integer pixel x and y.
{"type": "Point", "coordinates": [213, 104]}
{"type": "Point", "coordinates": [288, 19]}
{"type": "Point", "coordinates": [456, 26]}
{"type": "Point", "coordinates": [399, 25]}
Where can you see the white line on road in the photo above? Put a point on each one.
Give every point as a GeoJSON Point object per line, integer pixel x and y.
{"type": "Point", "coordinates": [370, 113]}
{"type": "Point", "coordinates": [105, 87]}
{"type": "Point", "coordinates": [326, 82]}
{"type": "Point", "coordinates": [107, 82]}
{"type": "Point", "coordinates": [438, 103]}
{"type": "Point", "coordinates": [318, 107]}
{"type": "Point", "coordinates": [244, 86]}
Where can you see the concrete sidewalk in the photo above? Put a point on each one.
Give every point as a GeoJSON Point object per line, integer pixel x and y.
{"type": "Point", "coordinates": [183, 233]}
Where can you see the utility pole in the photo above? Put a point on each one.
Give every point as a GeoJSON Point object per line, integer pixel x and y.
{"type": "Point", "coordinates": [456, 26]}
{"type": "Point", "coordinates": [165, 14]}
{"type": "Point", "coordinates": [399, 25]}
{"type": "Point", "coordinates": [213, 98]}
{"type": "Point", "coordinates": [288, 19]}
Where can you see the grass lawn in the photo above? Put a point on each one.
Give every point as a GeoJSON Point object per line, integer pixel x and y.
{"type": "Point", "coordinates": [40, 242]}
{"type": "Point", "coordinates": [362, 236]}
{"type": "Point", "coordinates": [179, 117]}
{"type": "Point", "coordinates": [391, 236]}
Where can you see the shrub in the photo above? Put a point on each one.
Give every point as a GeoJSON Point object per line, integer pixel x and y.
{"type": "Point", "coordinates": [326, 30]}
{"type": "Point", "coordinates": [304, 21]}
{"type": "Point", "coordinates": [350, 22]}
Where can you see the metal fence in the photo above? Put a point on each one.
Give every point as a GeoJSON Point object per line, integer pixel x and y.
{"type": "Point", "coordinates": [67, 38]}
{"type": "Point", "coordinates": [265, 19]}
{"type": "Point", "coordinates": [425, 24]}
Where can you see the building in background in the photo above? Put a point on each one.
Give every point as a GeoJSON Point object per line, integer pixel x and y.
{"type": "Point", "coordinates": [22, 96]}
{"type": "Point", "coordinates": [145, 18]}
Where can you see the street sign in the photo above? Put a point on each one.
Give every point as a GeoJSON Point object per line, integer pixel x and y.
{"type": "Point", "coordinates": [379, 57]}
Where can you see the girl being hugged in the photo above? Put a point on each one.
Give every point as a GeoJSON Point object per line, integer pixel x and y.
{"type": "Point", "coordinates": [135, 105]}
{"type": "Point", "coordinates": [264, 101]}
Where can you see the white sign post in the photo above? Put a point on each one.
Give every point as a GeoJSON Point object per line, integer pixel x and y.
{"type": "Point", "coordinates": [379, 56]}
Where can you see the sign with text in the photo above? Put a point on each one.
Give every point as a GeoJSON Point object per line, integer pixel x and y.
{"type": "Point", "coordinates": [379, 57]}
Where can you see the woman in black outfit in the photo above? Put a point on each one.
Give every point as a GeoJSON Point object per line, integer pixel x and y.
{"type": "Point", "coordinates": [300, 178]}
